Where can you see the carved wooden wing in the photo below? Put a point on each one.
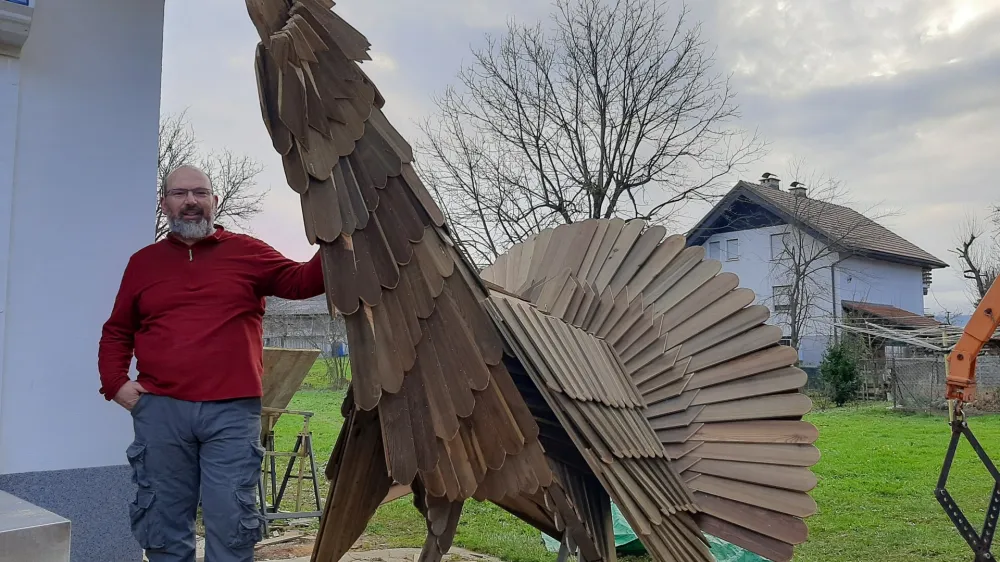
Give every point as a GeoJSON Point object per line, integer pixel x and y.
{"type": "Point", "coordinates": [720, 393]}
{"type": "Point", "coordinates": [426, 357]}
{"type": "Point", "coordinates": [600, 409]}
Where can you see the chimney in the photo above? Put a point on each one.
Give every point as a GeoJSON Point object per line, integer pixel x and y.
{"type": "Point", "coordinates": [797, 189]}
{"type": "Point", "coordinates": [770, 180]}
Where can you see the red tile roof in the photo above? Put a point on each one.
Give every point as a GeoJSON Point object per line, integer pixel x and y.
{"type": "Point", "coordinates": [842, 225]}
{"type": "Point", "coordinates": [895, 316]}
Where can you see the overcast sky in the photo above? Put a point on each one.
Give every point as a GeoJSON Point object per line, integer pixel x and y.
{"type": "Point", "coordinates": [897, 98]}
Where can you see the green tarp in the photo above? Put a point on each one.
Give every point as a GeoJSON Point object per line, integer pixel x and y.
{"type": "Point", "coordinates": [626, 543]}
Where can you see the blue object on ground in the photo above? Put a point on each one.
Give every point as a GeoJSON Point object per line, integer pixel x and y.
{"type": "Point", "coordinates": [626, 542]}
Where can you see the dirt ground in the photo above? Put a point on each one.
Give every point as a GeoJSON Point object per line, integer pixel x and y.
{"type": "Point", "coordinates": [364, 550]}
{"type": "Point", "coordinates": [302, 547]}
{"type": "Point", "coordinates": [297, 548]}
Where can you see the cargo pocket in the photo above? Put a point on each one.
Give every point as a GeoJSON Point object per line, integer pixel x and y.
{"type": "Point", "coordinates": [136, 454]}
{"type": "Point", "coordinates": [254, 462]}
{"type": "Point", "coordinates": [146, 526]}
{"type": "Point", "coordinates": [250, 527]}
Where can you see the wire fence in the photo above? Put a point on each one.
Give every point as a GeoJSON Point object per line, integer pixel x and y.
{"type": "Point", "coordinates": [918, 383]}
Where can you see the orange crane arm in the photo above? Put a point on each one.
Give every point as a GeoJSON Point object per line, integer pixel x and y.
{"type": "Point", "coordinates": [961, 363]}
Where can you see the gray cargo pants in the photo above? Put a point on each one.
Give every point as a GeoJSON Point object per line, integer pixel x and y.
{"type": "Point", "coordinates": [183, 448]}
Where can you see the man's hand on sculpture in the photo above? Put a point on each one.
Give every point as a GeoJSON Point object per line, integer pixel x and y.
{"type": "Point", "coordinates": [129, 394]}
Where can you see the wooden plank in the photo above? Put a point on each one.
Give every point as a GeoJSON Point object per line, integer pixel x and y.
{"type": "Point", "coordinates": [771, 382]}
{"type": "Point", "coordinates": [287, 537]}
{"type": "Point", "coordinates": [396, 491]}
{"type": "Point", "coordinates": [776, 454]}
{"type": "Point", "coordinates": [775, 406]}
{"type": "Point", "coordinates": [539, 244]}
{"type": "Point", "coordinates": [642, 250]}
{"type": "Point", "coordinates": [796, 479]}
{"type": "Point", "coordinates": [773, 550]}
{"type": "Point", "coordinates": [661, 257]}
{"type": "Point", "coordinates": [697, 277]}
{"type": "Point", "coordinates": [774, 499]}
{"type": "Point", "coordinates": [619, 251]}
{"type": "Point", "coordinates": [711, 315]}
{"type": "Point", "coordinates": [284, 372]}
{"type": "Point", "coordinates": [603, 251]}
{"type": "Point", "coordinates": [779, 526]}
{"type": "Point", "coordinates": [766, 431]}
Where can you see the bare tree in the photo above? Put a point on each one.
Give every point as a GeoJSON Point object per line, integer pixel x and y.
{"type": "Point", "coordinates": [978, 256]}
{"type": "Point", "coordinates": [805, 261]}
{"type": "Point", "coordinates": [616, 111]}
{"type": "Point", "coordinates": [233, 176]}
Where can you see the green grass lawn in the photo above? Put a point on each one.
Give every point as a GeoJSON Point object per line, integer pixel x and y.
{"type": "Point", "coordinates": [325, 424]}
{"type": "Point", "coordinates": [319, 377]}
{"type": "Point", "coordinates": [876, 486]}
{"type": "Point", "coordinates": [314, 396]}
{"type": "Point", "coordinates": [875, 494]}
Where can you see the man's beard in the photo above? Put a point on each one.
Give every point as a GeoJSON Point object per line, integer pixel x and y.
{"type": "Point", "coordinates": [191, 229]}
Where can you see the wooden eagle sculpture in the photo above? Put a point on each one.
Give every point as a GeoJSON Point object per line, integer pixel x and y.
{"type": "Point", "coordinates": [597, 362]}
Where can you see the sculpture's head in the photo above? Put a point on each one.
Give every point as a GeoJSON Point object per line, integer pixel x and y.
{"type": "Point", "coordinates": [268, 16]}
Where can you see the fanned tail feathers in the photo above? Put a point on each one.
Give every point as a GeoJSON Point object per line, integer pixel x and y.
{"type": "Point", "coordinates": [719, 391]}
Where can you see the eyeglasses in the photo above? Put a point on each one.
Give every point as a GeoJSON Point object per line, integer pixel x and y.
{"type": "Point", "coordinates": [182, 193]}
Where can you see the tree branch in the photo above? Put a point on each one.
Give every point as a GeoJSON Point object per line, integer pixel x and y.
{"type": "Point", "coordinates": [234, 177]}
{"type": "Point", "coordinates": [614, 110]}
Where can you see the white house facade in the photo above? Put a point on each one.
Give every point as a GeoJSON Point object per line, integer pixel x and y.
{"type": "Point", "coordinates": [79, 115]}
{"type": "Point", "coordinates": [769, 237]}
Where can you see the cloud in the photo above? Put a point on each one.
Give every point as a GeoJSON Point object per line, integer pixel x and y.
{"type": "Point", "coordinates": [382, 61]}
{"type": "Point", "coordinates": [897, 99]}
{"type": "Point", "coordinates": [797, 46]}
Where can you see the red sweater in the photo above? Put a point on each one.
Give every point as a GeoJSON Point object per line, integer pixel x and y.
{"type": "Point", "coordinates": [193, 316]}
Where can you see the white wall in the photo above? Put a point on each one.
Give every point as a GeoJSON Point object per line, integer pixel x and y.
{"type": "Point", "coordinates": [10, 72]}
{"type": "Point", "coordinates": [83, 194]}
{"type": "Point", "coordinates": [866, 280]}
{"type": "Point", "coordinates": [856, 279]}
{"type": "Point", "coordinates": [757, 271]}
{"type": "Point", "coordinates": [754, 265]}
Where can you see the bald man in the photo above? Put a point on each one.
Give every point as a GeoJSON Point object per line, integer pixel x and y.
{"type": "Point", "coordinates": [190, 310]}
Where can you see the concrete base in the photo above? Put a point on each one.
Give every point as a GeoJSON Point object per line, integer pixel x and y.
{"type": "Point", "coordinates": [28, 532]}
{"type": "Point", "coordinates": [95, 500]}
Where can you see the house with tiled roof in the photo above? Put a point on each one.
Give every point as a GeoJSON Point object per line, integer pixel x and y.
{"type": "Point", "coordinates": [815, 263]}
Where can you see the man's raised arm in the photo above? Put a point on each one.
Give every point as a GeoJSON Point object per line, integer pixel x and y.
{"type": "Point", "coordinates": [289, 279]}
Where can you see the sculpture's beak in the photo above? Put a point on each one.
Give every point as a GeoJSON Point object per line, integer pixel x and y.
{"type": "Point", "coordinates": [268, 16]}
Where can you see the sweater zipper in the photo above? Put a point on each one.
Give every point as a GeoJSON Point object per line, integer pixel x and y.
{"type": "Point", "coordinates": [190, 254]}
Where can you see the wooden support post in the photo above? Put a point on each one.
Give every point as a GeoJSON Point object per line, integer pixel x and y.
{"type": "Point", "coordinates": [302, 452]}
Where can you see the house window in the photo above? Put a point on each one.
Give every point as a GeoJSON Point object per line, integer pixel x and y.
{"type": "Point", "coordinates": [732, 249]}
{"type": "Point", "coordinates": [782, 297]}
{"type": "Point", "coordinates": [785, 341]}
{"type": "Point", "coordinates": [715, 250]}
{"type": "Point", "coordinates": [780, 244]}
